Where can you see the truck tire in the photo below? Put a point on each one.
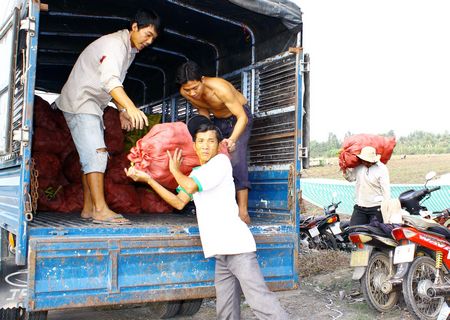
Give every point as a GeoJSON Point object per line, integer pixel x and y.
{"type": "Point", "coordinates": [421, 269]}
{"type": "Point", "coordinates": [10, 313]}
{"type": "Point", "coordinates": [165, 309]}
{"type": "Point", "coordinates": [377, 271]}
{"type": "Point", "coordinates": [190, 307]}
{"type": "Point", "coordinates": [36, 315]}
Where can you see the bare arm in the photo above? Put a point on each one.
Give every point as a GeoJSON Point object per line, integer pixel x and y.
{"type": "Point", "coordinates": [174, 166]}
{"type": "Point", "coordinates": [237, 109]}
{"type": "Point", "coordinates": [349, 174]}
{"type": "Point", "coordinates": [177, 201]}
{"type": "Point", "coordinates": [137, 117]}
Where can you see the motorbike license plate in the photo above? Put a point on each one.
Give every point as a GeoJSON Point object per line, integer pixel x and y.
{"type": "Point", "coordinates": [445, 311]}
{"type": "Point", "coordinates": [404, 253]}
{"type": "Point", "coordinates": [336, 228]}
{"type": "Point", "coordinates": [360, 258]}
{"type": "Point", "coordinates": [314, 232]}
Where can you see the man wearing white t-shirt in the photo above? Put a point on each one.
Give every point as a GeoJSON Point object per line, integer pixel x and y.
{"type": "Point", "coordinates": [223, 234]}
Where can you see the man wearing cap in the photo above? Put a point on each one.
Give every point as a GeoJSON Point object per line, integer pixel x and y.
{"type": "Point", "coordinates": [223, 234]}
{"type": "Point", "coordinates": [94, 81]}
{"type": "Point", "coordinates": [371, 189]}
{"type": "Point", "coordinates": [230, 113]}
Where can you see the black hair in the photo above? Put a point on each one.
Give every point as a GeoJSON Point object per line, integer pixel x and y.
{"type": "Point", "coordinates": [145, 18]}
{"type": "Point", "coordinates": [188, 71]}
{"type": "Point", "coordinates": [208, 127]}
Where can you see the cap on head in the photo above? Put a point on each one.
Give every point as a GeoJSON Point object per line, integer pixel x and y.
{"type": "Point", "coordinates": [369, 154]}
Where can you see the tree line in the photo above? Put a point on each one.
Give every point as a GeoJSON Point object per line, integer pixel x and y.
{"type": "Point", "coordinates": [417, 142]}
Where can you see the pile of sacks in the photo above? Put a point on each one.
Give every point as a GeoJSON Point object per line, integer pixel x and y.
{"type": "Point", "coordinates": [59, 169]}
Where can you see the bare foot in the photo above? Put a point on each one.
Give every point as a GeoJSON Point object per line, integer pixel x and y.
{"type": "Point", "coordinates": [87, 214]}
{"type": "Point", "coordinates": [245, 217]}
{"type": "Point", "coordinates": [109, 216]}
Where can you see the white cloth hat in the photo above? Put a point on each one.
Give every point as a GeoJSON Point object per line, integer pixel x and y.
{"type": "Point", "coordinates": [369, 154]}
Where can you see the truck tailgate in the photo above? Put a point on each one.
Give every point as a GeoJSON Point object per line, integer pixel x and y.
{"type": "Point", "coordinates": [73, 263]}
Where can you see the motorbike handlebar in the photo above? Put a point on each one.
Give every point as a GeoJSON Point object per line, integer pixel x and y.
{"type": "Point", "coordinates": [433, 189]}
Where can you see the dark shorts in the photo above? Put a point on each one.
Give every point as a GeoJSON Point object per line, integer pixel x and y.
{"type": "Point", "coordinates": [239, 155]}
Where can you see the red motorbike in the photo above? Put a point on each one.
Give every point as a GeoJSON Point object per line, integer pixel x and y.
{"type": "Point", "coordinates": [425, 244]}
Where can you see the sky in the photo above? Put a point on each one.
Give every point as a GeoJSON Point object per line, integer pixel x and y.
{"type": "Point", "coordinates": [378, 65]}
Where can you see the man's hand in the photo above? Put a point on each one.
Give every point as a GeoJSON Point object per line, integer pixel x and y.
{"type": "Point", "coordinates": [137, 175]}
{"type": "Point", "coordinates": [175, 160]}
{"type": "Point", "coordinates": [245, 217]}
{"type": "Point", "coordinates": [137, 118]}
{"type": "Point", "coordinates": [230, 144]}
{"type": "Point", "coordinates": [125, 121]}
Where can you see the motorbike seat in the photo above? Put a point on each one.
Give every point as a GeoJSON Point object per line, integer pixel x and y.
{"type": "Point", "coordinates": [440, 230]}
{"type": "Point", "coordinates": [369, 229]}
{"type": "Point", "coordinates": [419, 222]}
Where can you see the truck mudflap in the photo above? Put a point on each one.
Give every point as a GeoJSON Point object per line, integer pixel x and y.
{"type": "Point", "coordinates": [67, 272]}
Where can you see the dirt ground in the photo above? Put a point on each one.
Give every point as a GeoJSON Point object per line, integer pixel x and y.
{"type": "Point", "coordinates": [327, 295]}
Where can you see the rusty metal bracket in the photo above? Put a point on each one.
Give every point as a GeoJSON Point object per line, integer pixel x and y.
{"type": "Point", "coordinates": [296, 50]}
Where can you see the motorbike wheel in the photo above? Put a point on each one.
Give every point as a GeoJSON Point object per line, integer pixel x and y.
{"type": "Point", "coordinates": [327, 241]}
{"type": "Point", "coordinates": [306, 242]}
{"type": "Point", "coordinates": [421, 271]}
{"type": "Point", "coordinates": [377, 272]}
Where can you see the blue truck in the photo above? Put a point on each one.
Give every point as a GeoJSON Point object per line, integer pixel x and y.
{"type": "Point", "coordinates": [52, 261]}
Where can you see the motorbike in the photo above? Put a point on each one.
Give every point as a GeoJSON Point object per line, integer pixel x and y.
{"type": "Point", "coordinates": [381, 279]}
{"type": "Point", "coordinates": [332, 224]}
{"type": "Point", "coordinates": [426, 246]}
{"type": "Point", "coordinates": [373, 266]}
{"type": "Point", "coordinates": [325, 232]}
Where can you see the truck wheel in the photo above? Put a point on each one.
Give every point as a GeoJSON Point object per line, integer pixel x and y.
{"type": "Point", "coordinates": [421, 272]}
{"type": "Point", "coordinates": [190, 307]}
{"type": "Point", "coordinates": [10, 313]}
{"type": "Point", "coordinates": [377, 271]}
{"type": "Point", "coordinates": [36, 315]}
{"type": "Point", "coordinates": [165, 309]}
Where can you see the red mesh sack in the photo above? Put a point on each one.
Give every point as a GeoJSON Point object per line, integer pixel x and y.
{"type": "Point", "coordinates": [50, 141]}
{"type": "Point", "coordinates": [47, 164]}
{"type": "Point", "coordinates": [46, 117]}
{"type": "Point", "coordinates": [352, 146]}
{"type": "Point", "coordinates": [149, 154]}
{"type": "Point", "coordinates": [114, 137]}
{"type": "Point", "coordinates": [151, 202]}
{"type": "Point", "coordinates": [71, 167]}
{"type": "Point", "coordinates": [43, 114]}
{"type": "Point", "coordinates": [72, 198]}
{"type": "Point", "coordinates": [115, 169]}
{"type": "Point", "coordinates": [51, 193]}
{"type": "Point", "coordinates": [122, 198]}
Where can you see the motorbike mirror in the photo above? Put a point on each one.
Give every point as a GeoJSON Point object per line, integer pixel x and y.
{"type": "Point", "coordinates": [334, 196]}
{"type": "Point", "coordinates": [430, 175]}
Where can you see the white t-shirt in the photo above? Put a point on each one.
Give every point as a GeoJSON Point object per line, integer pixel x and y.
{"type": "Point", "coordinates": [222, 232]}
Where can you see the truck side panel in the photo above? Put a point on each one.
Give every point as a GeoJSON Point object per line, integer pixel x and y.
{"type": "Point", "coordinates": [69, 272]}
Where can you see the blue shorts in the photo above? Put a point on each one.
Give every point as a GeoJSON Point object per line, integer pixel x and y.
{"type": "Point", "coordinates": [88, 135]}
{"type": "Point", "coordinates": [239, 155]}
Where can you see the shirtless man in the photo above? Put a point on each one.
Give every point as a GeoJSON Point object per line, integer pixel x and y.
{"type": "Point", "coordinates": [230, 114]}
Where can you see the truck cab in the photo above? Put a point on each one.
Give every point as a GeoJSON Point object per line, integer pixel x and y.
{"type": "Point", "coordinates": [52, 261]}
